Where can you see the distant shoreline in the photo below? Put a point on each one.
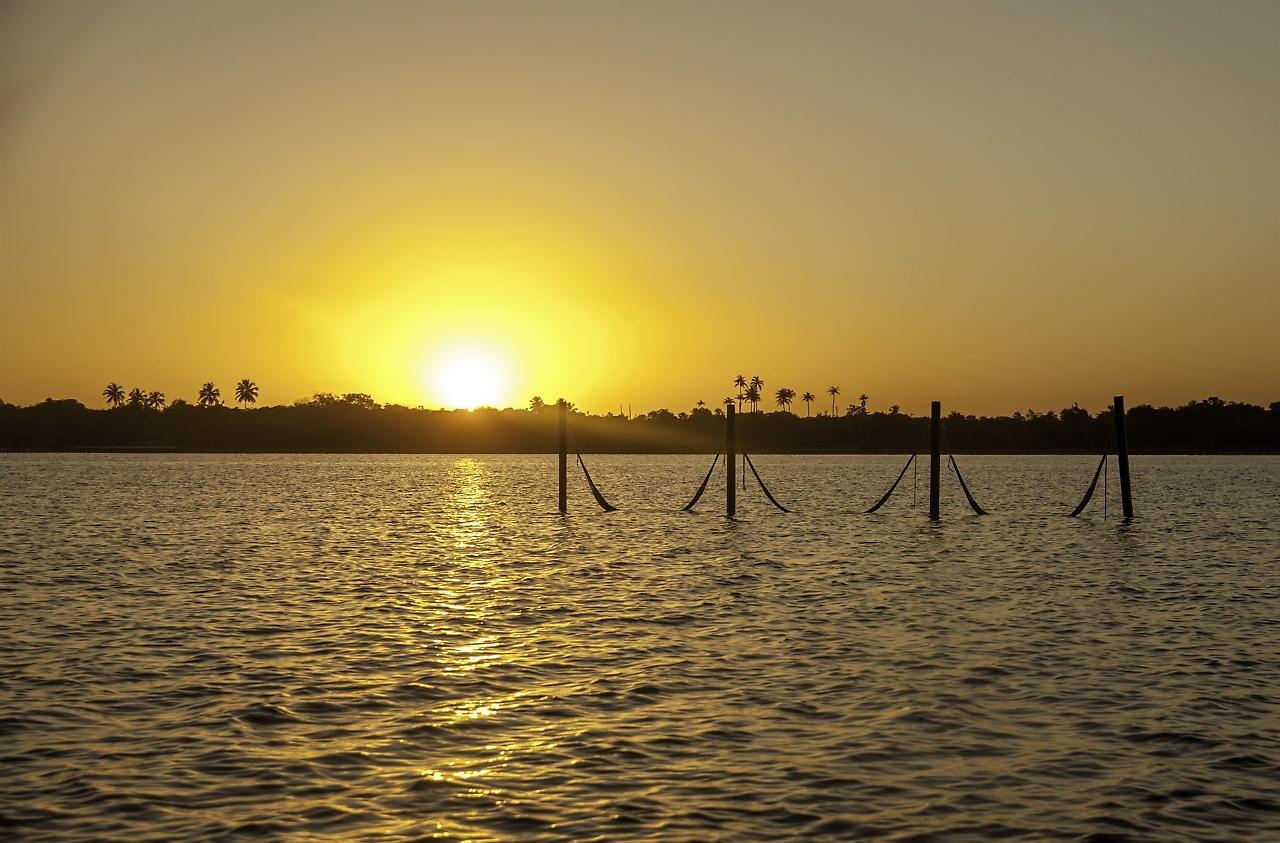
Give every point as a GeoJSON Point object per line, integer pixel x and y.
{"type": "Point", "coordinates": [358, 425]}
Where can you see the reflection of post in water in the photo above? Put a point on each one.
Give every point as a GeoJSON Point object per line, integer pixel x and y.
{"type": "Point", "coordinates": [1122, 458]}
{"type": "Point", "coordinates": [935, 457]}
{"type": "Point", "coordinates": [562, 408]}
{"type": "Point", "coordinates": [731, 465]}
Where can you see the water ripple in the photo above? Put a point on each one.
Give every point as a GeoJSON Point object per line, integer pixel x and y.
{"type": "Point", "coordinates": [413, 647]}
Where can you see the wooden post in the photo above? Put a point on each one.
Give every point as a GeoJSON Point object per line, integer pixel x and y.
{"type": "Point", "coordinates": [935, 456]}
{"type": "Point", "coordinates": [730, 451]}
{"type": "Point", "coordinates": [562, 408]}
{"type": "Point", "coordinates": [1122, 458]}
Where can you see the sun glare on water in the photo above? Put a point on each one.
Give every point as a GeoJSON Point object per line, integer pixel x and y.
{"type": "Point", "coordinates": [469, 378]}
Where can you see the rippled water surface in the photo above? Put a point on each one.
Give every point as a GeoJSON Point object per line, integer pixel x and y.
{"type": "Point", "coordinates": [407, 647]}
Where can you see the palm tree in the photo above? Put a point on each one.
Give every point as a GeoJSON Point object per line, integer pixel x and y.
{"type": "Point", "coordinates": [210, 395]}
{"type": "Point", "coordinates": [862, 403]}
{"type": "Point", "coordinates": [154, 400]}
{"type": "Point", "coordinates": [833, 391]}
{"type": "Point", "coordinates": [700, 404]}
{"type": "Point", "coordinates": [537, 404]}
{"type": "Point", "coordinates": [246, 392]}
{"type": "Point", "coordinates": [807, 398]}
{"type": "Point", "coordinates": [741, 383]}
{"type": "Point", "coordinates": [783, 397]}
{"type": "Point", "coordinates": [136, 398]}
{"type": "Point", "coordinates": [114, 394]}
{"type": "Point", "coordinates": [753, 397]}
{"type": "Point", "coordinates": [757, 384]}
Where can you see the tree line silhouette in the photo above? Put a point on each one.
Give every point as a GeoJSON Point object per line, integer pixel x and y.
{"type": "Point", "coordinates": [355, 422]}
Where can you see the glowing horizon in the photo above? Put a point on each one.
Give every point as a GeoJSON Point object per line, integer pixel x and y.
{"type": "Point", "coordinates": [994, 205]}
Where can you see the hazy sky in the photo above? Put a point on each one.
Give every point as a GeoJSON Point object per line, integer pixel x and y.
{"type": "Point", "coordinates": [999, 205]}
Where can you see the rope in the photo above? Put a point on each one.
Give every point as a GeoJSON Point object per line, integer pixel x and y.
{"type": "Point", "coordinates": [763, 487]}
{"type": "Point", "coordinates": [697, 496]}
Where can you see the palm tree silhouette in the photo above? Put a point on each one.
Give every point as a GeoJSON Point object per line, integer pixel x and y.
{"type": "Point", "coordinates": [753, 397]}
{"type": "Point", "coordinates": [210, 395]}
{"type": "Point", "coordinates": [114, 394]}
{"type": "Point", "coordinates": [807, 398]}
{"type": "Point", "coordinates": [862, 403]}
{"type": "Point", "coordinates": [154, 400]}
{"type": "Point", "coordinates": [757, 384]}
{"type": "Point", "coordinates": [246, 392]}
{"type": "Point", "coordinates": [784, 396]}
{"type": "Point", "coordinates": [833, 391]}
{"type": "Point", "coordinates": [700, 404]}
{"type": "Point", "coordinates": [741, 383]}
{"type": "Point", "coordinates": [136, 398]}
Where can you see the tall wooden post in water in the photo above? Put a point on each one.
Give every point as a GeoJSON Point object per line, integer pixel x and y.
{"type": "Point", "coordinates": [562, 408]}
{"type": "Point", "coordinates": [935, 457]}
{"type": "Point", "coordinates": [731, 452]}
{"type": "Point", "coordinates": [1122, 457]}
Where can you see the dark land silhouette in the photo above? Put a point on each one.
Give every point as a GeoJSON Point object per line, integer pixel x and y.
{"type": "Point", "coordinates": [356, 423]}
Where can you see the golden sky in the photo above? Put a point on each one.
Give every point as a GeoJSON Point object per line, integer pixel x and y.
{"type": "Point", "coordinates": [999, 205]}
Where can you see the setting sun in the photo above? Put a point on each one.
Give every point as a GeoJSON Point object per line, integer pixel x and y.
{"type": "Point", "coordinates": [468, 378]}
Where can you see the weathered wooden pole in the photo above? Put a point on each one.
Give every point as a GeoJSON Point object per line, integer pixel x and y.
{"type": "Point", "coordinates": [1122, 457]}
{"type": "Point", "coordinates": [731, 451]}
{"type": "Point", "coordinates": [935, 457]}
{"type": "Point", "coordinates": [562, 407]}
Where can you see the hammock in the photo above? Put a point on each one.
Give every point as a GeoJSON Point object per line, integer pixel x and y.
{"type": "Point", "coordinates": [604, 504]}
{"type": "Point", "coordinates": [763, 487]}
{"type": "Point", "coordinates": [955, 467]}
{"type": "Point", "coordinates": [1093, 485]}
{"type": "Point", "coordinates": [697, 496]}
{"type": "Point", "coordinates": [974, 504]}
{"type": "Point", "coordinates": [901, 474]}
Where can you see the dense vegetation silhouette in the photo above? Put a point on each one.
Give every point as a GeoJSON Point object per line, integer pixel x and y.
{"type": "Point", "coordinates": [355, 422]}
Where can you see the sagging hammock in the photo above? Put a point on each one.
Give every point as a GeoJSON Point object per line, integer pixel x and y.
{"type": "Point", "coordinates": [964, 487]}
{"type": "Point", "coordinates": [953, 466]}
{"type": "Point", "coordinates": [595, 493]}
{"type": "Point", "coordinates": [955, 469]}
{"type": "Point", "coordinates": [763, 487]}
{"type": "Point", "coordinates": [885, 499]}
{"type": "Point", "coordinates": [702, 488]}
{"type": "Point", "coordinates": [1093, 484]}
{"type": "Point", "coordinates": [697, 496]}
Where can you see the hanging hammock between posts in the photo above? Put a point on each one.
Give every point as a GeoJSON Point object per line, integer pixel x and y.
{"type": "Point", "coordinates": [887, 494]}
{"type": "Point", "coordinates": [604, 504]}
{"type": "Point", "coordinates": [763, 487]}
{"type": "Point", "coordinates": [972, 503]}
{"type": "Point", "coordinates": [955, 468]}
{"type": "Point", "coordinates": [595, 493]}
{"type": "Point", "coordinates": [697, 496]}
{"type": "Point", "coordinates": [1093, 486]}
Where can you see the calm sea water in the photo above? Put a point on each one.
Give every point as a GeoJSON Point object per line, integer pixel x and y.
{"type": "Point", "coordinates": [409, 647]}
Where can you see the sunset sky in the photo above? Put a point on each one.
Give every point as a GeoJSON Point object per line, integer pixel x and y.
{"type": "Point", "coordinates": [999, 205]}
